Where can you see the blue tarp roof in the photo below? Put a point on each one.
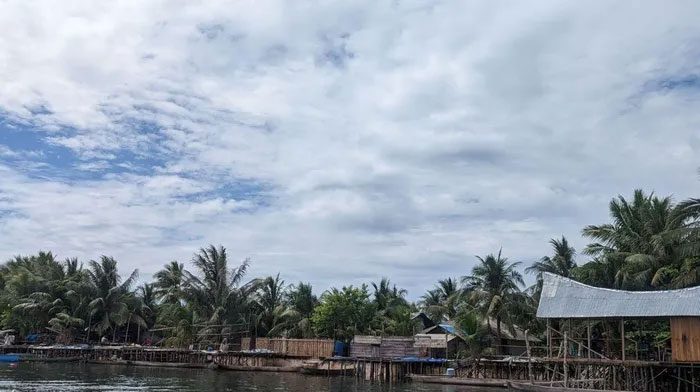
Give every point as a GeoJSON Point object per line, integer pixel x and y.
{"type": "Point", "coordinates": [449, 328]}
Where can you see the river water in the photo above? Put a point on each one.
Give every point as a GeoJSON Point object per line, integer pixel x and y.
{"type": "Point", "coordinates": [29, 376]}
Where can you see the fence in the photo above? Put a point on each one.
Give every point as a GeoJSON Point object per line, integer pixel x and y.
{"type": "Point", "coordinates": [311, 348]}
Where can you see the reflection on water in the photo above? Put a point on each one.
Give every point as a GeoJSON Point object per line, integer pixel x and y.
{"type": "Point", "coordinates": [82, 377]}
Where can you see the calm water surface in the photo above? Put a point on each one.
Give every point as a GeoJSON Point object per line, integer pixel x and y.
{"type": "Point", "coordinates": [82, 377]}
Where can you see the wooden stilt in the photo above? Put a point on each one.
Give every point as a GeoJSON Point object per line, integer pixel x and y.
{"type": "Point", "coordinates": [622, 336]}
{"type": "Point", "coordinates": [549, 339]}
{"type": "Point", "coordinates": [566, 367]}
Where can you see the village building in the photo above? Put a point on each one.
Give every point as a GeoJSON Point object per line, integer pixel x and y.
{"type": "Point", "coordinates": [573, 310]}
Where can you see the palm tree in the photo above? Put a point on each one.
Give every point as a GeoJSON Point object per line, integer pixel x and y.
{"type": "Point", "coordinates": [443, 300]}
{"type": "Point", "coordinates": [271, 303]}
{"type": "Point", "coordinates": [474, 332]}
{"type": "Point", "coordinates": [64, 326]}
{"type": "Point", "coordinates": [494, 287]}
{"type": "Point", "coordinates": [110, 308]}
{"type": "Point", "coordinates": [561, 263]}
{"type": "Point", "coordinates": [302, 300]}
{"type": "Point", "coordinates": [649, 238]}
{"type": "Point", "coordinates": [387, 296]}
{"type": "Point", "coordinates": [170, 282]}
{"type": "Point", "coordinates": [391, 306]}
{"type": "Point", "coordinates": [216, 294]}
{"type": "Point", "coordinates": [45, 287]}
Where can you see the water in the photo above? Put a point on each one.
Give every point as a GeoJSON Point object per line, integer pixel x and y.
{"type": "Point", "coordinates": [83, 377]}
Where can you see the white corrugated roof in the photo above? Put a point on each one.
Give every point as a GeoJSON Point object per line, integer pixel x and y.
{"type": "Point", "coordinates": [566, 298]}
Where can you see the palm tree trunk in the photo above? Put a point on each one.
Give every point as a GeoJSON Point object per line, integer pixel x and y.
{"type": "Point", "coordinates": [138, 334]}
{"type": "Point", "coordinates": [114, 333]}
{"type": "Point", "coordinates": [126, 335]}
{"type": "Point", "coordinates": [498, 335]}
{"type": "Point", "coordinates": [87, 337]}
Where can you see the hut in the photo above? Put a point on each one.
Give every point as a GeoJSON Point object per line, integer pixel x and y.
{"type": "Point", "coordinates": [439, 341]}
{"type": "Point", "coordinates": [571, 309]}
{"type": "Point", "coordinates": [512, 342]}
{"type": "Point", "coordinates": [383, 347]}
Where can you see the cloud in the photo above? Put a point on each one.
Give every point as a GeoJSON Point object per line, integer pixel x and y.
{"type": "Point", "coordinates": [338, 142]}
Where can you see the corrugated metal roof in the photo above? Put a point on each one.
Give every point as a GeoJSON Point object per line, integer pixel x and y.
{"type": "Point", "coordinates": [565, 298]}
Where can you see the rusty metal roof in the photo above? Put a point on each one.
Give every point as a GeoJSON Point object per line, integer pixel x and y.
{"type": "Point", "coordinates": [566, 298]}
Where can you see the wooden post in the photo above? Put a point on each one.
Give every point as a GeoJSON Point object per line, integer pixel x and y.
{"type": "Point", "coordinates": [588, 331]}
{"type": "Point", "coordinates": [622, 336]}
{"type": "Point", "coordinates": [446, 347]}
{"type": "Point", "coordinates": [566, 353]}
{"type": "Point", "coordinates": [529, 361]}
{"type": "Point", "coordinates": [549, 339]}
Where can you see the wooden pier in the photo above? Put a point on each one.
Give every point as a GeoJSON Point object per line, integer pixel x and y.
{"type": "Point", "coordinates": [604, 374]}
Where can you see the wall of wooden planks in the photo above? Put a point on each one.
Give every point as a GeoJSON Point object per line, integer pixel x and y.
{"type": "Point", "coordinates": [311, 348]}
{"type": "Point", "coordinates": [685, 339]}
{"type": "Point", "coordinates": [383, 347]}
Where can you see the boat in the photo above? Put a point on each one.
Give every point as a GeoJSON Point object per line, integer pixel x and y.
{"type": "Point", "coordinates": [474, 382]}
{"type": "Point", "coordinates": [525, 387]}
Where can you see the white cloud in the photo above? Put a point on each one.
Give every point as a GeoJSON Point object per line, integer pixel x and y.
{"type": "Point", "coordinates": [390, 138]}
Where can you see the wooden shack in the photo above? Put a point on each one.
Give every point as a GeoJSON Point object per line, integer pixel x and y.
{"type": "Point", "coordinates": [384, 347]}
{"type": "Point", "coordinates": [565, 301]}
{"type": "Point", "coordinates": [439, 341]}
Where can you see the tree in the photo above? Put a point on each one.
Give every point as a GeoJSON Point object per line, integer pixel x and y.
{"type": "Point", "coordinates": [273, 316]}
{"type": "Point", "coordinates": [650, 239]}
{"type": "Point", "coordinates": [216, 294]}
{"type": "Point", "coordinates": [393, 312]}
{"type": "Point", "coordinates": [344, 313]}
{"type": "Point", "coordinates": [302, 301]}
{"type": "Point", "coordinates": [37, 288]}
{"type": "Point", "coordinates": [110, 308]}
{"type": "Point", "coordinates": [561, 263]}
{"type": "Point", "coordinates": [494, 287]}
{"type": "Point", "coordinates": [443, 300]}
{"type": "Point", "coordinates": [64, 326]}
{"type": "Point", "coordinates": [474, 331]}
{"type": "Point", "coordinates": [170, 282]}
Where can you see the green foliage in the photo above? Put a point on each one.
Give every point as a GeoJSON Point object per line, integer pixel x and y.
{"type": "Point", "coordinates": [494, 291]}
{"type": "Point", "coordinates": [443, 300]}
{"type": "Point", "coordinates": [474, 331]}
{"type": "Point", "coordinates": [343, 313]}
{"type": "Point", "coordinates": [650, 243]}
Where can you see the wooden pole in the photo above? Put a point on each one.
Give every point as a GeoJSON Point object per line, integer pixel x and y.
{"type": "Point", "coordinates": [566, 353]}
{"type": "Point", "coordinates": [588, 332]}
{"type": "Point", "coordinates": [549, 339]}
{"type": "Point", "coordinates": [446, 347]}
{"type": "Point", "coordinates": [622, 336]}
{"type": "Point", "coordinates": [529, 360]}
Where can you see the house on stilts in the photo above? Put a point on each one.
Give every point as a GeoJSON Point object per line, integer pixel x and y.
{"type": "Point", "coordinates": [592, 322]}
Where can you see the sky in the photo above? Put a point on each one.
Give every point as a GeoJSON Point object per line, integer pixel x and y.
{"type": "Point", "coordinates": [337, 142]}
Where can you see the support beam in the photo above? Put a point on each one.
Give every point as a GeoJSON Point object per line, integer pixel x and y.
{"type": "Point", "coordinates": [549, 339]}
{"type": "Point", "coordinates": [622, 336]}
{"type": "Point", "coordinates": [588, 333]}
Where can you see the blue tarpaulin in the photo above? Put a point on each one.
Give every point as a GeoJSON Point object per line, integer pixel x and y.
{"type": "Point", "coordinates": [9, 358]}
